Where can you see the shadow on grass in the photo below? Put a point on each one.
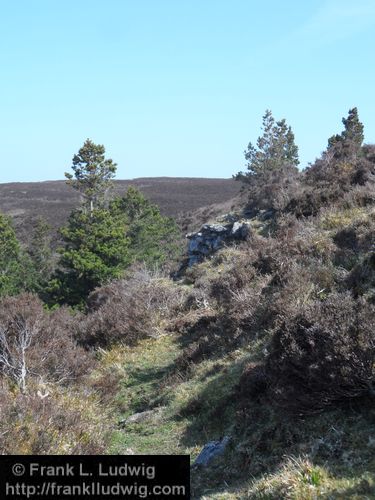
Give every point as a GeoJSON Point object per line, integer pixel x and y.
{"type": "Point", "coordinates": [144, 387]}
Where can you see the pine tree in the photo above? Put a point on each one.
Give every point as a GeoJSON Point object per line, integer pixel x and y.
{"type": "Point", "coordinates": [347, 145]}
{"type": "Point", "coordinates": [154, 239]}
{"type": "Point", "coordinates": [92, 174]}
{"type": "Point", "coordinates": [271, 164]}
{"type": "Point", "coordinates": [16, 273]}
{"type": "Point", "coordinates": [40, 253]}
{"type": "Point", "coordinates": [275, 149]}
{"type": "Point", "coordinates": [353, 128]}
{"type": "Point", "coordinates": [95, 251]}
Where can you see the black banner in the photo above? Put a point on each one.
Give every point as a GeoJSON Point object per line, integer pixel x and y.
{"type": "Point", "coordinates": [94, 477]}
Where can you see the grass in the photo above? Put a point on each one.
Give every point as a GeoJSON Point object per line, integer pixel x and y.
{"type": "Point", "coordinates": [186, 412]}
{"type": "Point", "coordinates": [270, 456]}
{"type": "Point", "coordinates": [334, 219]}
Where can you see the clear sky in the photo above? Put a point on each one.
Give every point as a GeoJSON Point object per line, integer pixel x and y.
{"type": "Point", "coordinates": [177, 87]}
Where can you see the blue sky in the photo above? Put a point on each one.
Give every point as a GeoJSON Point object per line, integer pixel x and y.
{"type": "Point", "coordinates": [177, 87]}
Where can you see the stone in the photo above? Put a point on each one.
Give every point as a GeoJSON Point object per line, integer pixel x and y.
{"type": "Point", "coordinates": [210, 451]}
{"type": "Point", "coordinates": [211, 237]}
{"type": "Point", "coordinates": [240, 230]}
{"type": "Point", "coordinates": [136, 418]}
{"type": "Point", "coordinates": [214, 228]}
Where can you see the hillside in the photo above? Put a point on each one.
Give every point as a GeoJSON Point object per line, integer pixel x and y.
{"type": "Point", "coordinates": [253, 352]}
{"type": "Point", "coordinates": [211, 366]}
{"type": "Point", "coordinates": [53, 200]}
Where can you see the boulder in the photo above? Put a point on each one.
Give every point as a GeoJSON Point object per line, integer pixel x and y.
{"type": "Point", "coordinates": [210, 451]}
{"type": "Point", "coordinates": [140, 417]}
{"type": "Point", "coordinates": [211, 237]}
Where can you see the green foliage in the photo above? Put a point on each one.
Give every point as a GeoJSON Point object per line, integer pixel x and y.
{"type": "Point", "coordinates": [349, 142]}
{"type": "Point", "coordinates": [40, 254]}
{"type": "Point", "coordinates": [336, 177]}
{"type": "Point", "coordinates": [272, 165]}
{"type": "Point", "coordinates": [275, 149]}
{"type": "Point", "coordinates": [153, 237]}
{"type": "Point", "coordinates": [92, 174]}
{"type": "Point", "coordinates": [96, 251]}
{"type": "Point", "coordinates": [15, 268]}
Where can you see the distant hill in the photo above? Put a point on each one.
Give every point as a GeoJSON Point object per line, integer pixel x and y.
{"type": "Point", "coordinates": [53, 200]}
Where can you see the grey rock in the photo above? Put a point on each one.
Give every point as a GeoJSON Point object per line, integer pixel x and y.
{"type": "Point", "coordinates": [229, 218]}
{"type": "Point", "coordinates": [214, 228]}
{"type": "Point", "coordinates": [211, 450]}
{"type": "Point", "coordinates": [136, 418]}
{"type": "Point", "coordinates": [240, 230]}
{"type": "Point", "coordinates": [211, 237]}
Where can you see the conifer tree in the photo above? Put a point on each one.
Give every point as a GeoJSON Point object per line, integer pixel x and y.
{"type": "Point", "coordinates": [95, 242]}
{"type": "Point", "coordinates": [16, 271]}
{"type": "Point", "coordinates": [275, 149]}
{"type": "Point", "coordinates": [271, 164]}
{"type": "Point", "coordinates": [92, 174]}
{"type": "Point", "coordinates": [40, 253]}
{"type": "Point", "coordinates": [95, 251]}
{"type": "Point", "coordinates": [154, 239]}
{"type": "Point", "coordinates": [347, 145]}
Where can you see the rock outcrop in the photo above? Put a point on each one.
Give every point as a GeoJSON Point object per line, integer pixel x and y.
{"type": "Point", "coordinates": [211, 237]}
{"type": "Point", "coordinates": [211, 450]}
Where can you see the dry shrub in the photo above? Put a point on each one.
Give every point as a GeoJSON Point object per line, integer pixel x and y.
{"type": "Point", "coordinates": [273, 188]}
{"type": "Point", "coordinates": [330, 181]}
{"type": "Point", "coordinates": [37, 344]}
{"type": "Point", "coordinates": [358, 196]}
{"type": "Point", "coordinates": [225, 286]}
{"type": "Point", "coordinates": [129, 310]}
{"type": "Point", "coordinates": [254, 383]}
{"type": "Point", "coordinates": [197, 299]}
{"type": "Point", "coordinates": [66, 361]}
{"type": "Point", "coordinates": [55, 424]}
{"type": "Point", "coordinates": [236, 292]}
{"type": "Point", "coordinates": [247, 307]}
{"type": "Point", "coordinates": [106, 386]}
{"type": "Point", "coordinates": [302, 238]}
{"type": "Point", "coordinates": [323, 354]}
{"type": "Point", "coordinates": [361, 279]}
{"type": "Point", "coordinates": [301, 283]}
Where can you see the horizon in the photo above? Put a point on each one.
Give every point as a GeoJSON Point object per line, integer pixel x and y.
{"type": "Point", "coordinates": [175, 89]}
{"type": "Point", "coordinates": [132, 179]}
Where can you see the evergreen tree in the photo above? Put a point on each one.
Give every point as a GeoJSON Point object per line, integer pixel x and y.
{"type": "Point", "coordinates": [92, 174]}
{"type": "Point", "coordinates": [96, 251]}
{"type": "Point", "coordinates": [347, 145]}
{"type": "Point", "coordinates": [275, 150]}
{"type": "Point", "coordinates": [40, 253]}
{"type": "Point", "coordinates": [100, 241]}
{"type": "Point", "coordinates": [271, 164]}
{"type": "Point", "coordinates": [95, 242]}
{"type": "Point", "coordinates": [16, 271]}
{"type": "Point", "coordinates": [341, 167]}
{"type": "Point", "coordinates": [154, 239]}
